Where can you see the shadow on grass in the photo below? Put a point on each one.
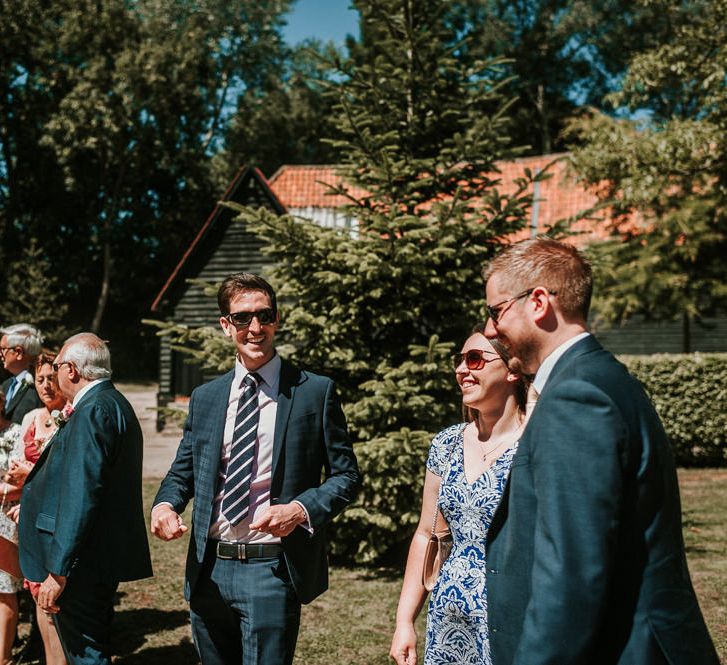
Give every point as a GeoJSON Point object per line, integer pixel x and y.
{"type": "Point", "coordinates": [384, 574]}
{"type": "Point", "coordinates": [180, 654]}
{"type": "Point", "coordinates": [131, 627]}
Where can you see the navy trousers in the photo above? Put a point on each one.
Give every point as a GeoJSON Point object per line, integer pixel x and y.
{"type": "Point", "coordinates": [84, 621]}
{"type": "Point", "coordinates": [244, 612]}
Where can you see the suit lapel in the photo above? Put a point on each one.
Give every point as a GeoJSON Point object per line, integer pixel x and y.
{"type": "Point", "coordinates": [289, 378]}
{"type": "Point", "coordinates": [212, 452]}
{"type": "Point", "coordinates": [17, 396]}
{"type": "Point", "coordinates": [46, 452]}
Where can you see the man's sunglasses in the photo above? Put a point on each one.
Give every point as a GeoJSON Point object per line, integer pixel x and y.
{"type": "Point", "coordinates": [243, 319]}
{"type": "Point", "coordinates": [474, 359]}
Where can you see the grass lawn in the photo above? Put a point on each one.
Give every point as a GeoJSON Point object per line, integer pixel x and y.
{"type": "Point", "coordinates": [352, 623]}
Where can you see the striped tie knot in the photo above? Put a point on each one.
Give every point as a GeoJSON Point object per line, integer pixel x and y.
{"type": "Point", "coordinates": [236, 497]}
{"type": "Point", "coordinates": [251, 380]}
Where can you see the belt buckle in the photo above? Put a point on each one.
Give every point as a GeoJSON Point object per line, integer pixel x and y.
{"type": "Point", "coordinates": [228, 551]}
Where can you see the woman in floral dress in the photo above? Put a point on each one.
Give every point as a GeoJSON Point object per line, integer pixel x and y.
{"type": "Point", "coordinates": [466, 474]}
{"type": "Point", "coordinates": [11, 448]}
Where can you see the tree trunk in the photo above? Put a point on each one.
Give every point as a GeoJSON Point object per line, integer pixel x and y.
{"type": "Point", "coordinates": [103, 296]}
{"type": "Point", "coordinates": [546, 142]}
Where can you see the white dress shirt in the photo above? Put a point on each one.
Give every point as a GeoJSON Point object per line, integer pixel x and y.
{"type": "Point", "coordinates": [262, 467]}
{"type": "Point", "coordinates": [543, 373]}
{"type": "Point", "coordinates": [85, 389]}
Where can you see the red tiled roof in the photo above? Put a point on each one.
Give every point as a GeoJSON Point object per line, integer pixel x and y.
{"type": "Point", "coordinates": [560, 196]}
{"type": "Point", "coordinates": [304, 186]}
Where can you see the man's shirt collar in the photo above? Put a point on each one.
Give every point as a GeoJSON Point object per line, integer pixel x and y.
{"type": "Point", "coordinates": [543, 373]}
{"type": "Point", "coordinates": [269, 372]}
{"type": "Point", "coordinates": [85, 389]}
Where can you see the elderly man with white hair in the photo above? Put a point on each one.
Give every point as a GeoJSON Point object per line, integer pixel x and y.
{"type": "Point", "coordinates": [20, 345]}
{"type": "Point", "coordinates": [82, 527]}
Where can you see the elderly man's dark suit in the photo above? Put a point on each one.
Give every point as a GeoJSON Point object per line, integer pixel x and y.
{"type": "Point", "coordinates": [585, 558]}
{"type": "Point", "coordinates": [310, 438]}
{"type": "Point", "coordinates": [24, 399]}
{"type": "Point", "coordinates": [82, 517]}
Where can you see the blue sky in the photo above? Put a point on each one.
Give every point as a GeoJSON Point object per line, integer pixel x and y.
{"type": "Point", "coordinates": [323, 19]}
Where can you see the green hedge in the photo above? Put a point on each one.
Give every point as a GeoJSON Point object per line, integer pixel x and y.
{"type": "Point", "coordinates": [689, 392]}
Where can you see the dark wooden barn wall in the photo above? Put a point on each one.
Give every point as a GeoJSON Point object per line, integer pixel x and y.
{"type": "Point", "coordinates": [639, 337]}
{"type": "Point", "coordinates": [226, 248]}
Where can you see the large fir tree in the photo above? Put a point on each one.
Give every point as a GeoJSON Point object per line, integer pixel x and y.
{"type": "Point", "coordinates": [382, 308]}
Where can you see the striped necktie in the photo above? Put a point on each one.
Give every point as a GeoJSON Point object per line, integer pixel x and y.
{"type": "Point", "coordinates": [236, 498]}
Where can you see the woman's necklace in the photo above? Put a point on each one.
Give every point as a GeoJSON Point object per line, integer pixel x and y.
{"type": "Point", "coordinates": [494, 452]}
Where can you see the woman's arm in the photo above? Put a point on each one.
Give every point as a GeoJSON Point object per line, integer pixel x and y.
{"type": "Point", "coordinates": [413, 593]}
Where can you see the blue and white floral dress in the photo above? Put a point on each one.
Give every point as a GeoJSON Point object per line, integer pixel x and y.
{"type": "Point", "coordinates": [457, 615]}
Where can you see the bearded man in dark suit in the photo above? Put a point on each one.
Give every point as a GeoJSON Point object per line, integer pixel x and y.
{"type": "Point", "coordinates": [585, 556]}
{"type": "Point", "coordinates": [20, 345]}
{"type": "Point", "coordinates": [256, 444]}
{"type": "Point", "coordinates": [82, 527]}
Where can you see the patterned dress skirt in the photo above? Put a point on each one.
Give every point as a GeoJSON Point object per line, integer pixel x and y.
{"type": "Point", "coordinates": [457, 615]}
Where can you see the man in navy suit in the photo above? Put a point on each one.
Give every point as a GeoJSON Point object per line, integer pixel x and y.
{"type": "Point", "coordinates": [585, 557]}
{"type": "Point", "coordinates": [20, 345]}
{"type": "Point", "coordinates": [266, 455]}
{"type": "Point", "coordinates": [82, 527]}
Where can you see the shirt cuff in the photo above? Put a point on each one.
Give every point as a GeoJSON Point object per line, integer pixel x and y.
{"type": "Point", "coordinates": [306, 525]}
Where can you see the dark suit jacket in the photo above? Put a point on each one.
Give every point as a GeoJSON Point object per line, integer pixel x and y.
{"type": "Point", "coordinates": [81, 504]}
{"type": "Point", "coordinates": [585, 558]}
{"type": "Point", "coordinates": [25, 399]}
{"type": "Point", "coordinates": [310, 438]}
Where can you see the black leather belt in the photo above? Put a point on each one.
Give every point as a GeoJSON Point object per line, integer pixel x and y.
{"type": "Point", "coordinates": [245, 551]}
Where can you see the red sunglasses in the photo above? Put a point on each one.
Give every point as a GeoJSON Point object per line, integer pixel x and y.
{"type": "Point", "coordinates": [474, 359]}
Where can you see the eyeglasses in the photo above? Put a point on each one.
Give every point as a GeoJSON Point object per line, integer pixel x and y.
{"type": "Point", "coordinates": [474, 359]}
{"type": "Point", "coordinates": [3, 349]}
{"type": "Point", "coordinates": [57, 366]}
{"type": "Point", "coordinates": [493, 311]}
{"type": "Point", "coordinates": [243, 319]}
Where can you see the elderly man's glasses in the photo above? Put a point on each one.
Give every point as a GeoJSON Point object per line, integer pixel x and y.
{"type": "Point", "coordinates": [474, 359]}
{"type": "Point", "coordinates": [57, 366]}
{"type": "Point", "coordinates": [243, 319]}
{"type": "Point", "coordinates": [4, 349]}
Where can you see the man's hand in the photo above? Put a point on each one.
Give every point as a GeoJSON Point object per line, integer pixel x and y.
{"type": "Point", "coordinates": [17, 472]}
{"type": "Point", "coordinates": [165, 523]}
{"type": "Point", "coordinates": [280, 520]}
{"type": "Point", "coordinates": [50, 590]}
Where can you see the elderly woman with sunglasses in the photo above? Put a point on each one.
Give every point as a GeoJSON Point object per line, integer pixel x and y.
{"type": "Point", "coordinates": [466, 473]}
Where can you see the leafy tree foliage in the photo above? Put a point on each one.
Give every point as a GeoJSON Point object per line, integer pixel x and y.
{"type": "Point", "coordinates": [109, 112]}
{"type": "Point", "coordinates": [34, 294]}
{"type": "Point", "coordinates": [667, 173]}
{"type": "Point", "coordinates": [562, 54]}
{"type": "Point", "coordinates": [286, 118]}
{"type": "Point", "coordinates": [381, 308]}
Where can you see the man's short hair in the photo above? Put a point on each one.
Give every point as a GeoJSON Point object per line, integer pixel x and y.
{"type": "Point", "coordinates": [542, 261]}
{"type": "Point", "coordinates": [239, 282]}
{"type": "Point", "coordinates": [25, 336]}
{"type": "Point", "coordinates": [89, 354]}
